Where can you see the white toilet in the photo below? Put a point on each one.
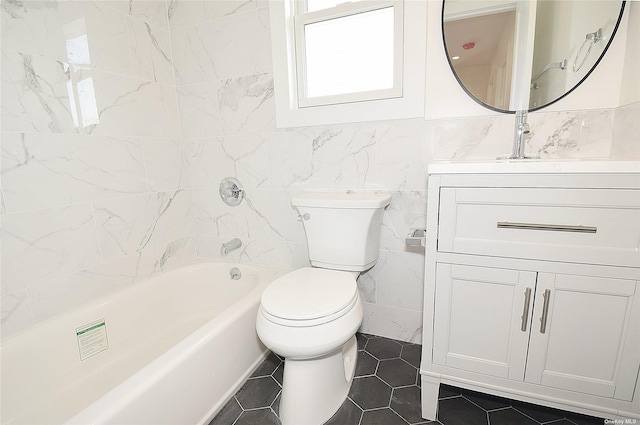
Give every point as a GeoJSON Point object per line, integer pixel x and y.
{"type": "Point", "coordinates": [310, 316]}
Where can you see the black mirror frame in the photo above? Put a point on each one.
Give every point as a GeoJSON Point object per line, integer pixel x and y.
{"type": "Point", "coordinates": [493, 108]}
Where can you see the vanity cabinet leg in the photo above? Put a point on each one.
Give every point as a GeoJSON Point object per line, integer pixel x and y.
{"type": "Point", "coordinates": [430, 389]}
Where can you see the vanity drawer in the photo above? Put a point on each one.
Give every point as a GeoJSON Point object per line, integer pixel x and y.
{"type": "Point", "coordinates": [593, 226]}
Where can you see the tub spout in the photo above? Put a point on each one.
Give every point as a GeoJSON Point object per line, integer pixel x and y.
{"type": "Point", "coordinates": [232, 245]}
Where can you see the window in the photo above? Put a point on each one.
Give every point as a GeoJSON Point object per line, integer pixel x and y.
{"type": "Point", "coordinates": [349, 52]}
{"type": "Point", "coordinates": [337, 61]}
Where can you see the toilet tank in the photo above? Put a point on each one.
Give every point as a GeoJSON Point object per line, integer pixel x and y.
{"type": "Point", "coordinates": [343, 229]}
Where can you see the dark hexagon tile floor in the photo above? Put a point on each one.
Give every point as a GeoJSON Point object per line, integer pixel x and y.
{"type": "Point", "coordinates": [386, 391]}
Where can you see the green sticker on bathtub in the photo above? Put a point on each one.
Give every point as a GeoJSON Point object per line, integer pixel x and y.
{"type": "Point", "coordinates": [92, 339]}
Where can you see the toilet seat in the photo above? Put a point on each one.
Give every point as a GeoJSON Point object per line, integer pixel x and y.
{"type": "Point", "coordinates": [309, 297]}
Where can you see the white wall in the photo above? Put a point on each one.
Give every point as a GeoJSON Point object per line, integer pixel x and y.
{"type": "Point", "coordinates": [630, 87]}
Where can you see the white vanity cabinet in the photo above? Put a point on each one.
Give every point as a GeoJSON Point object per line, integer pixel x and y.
{"type": "Point", "coordinates": [532, 284]}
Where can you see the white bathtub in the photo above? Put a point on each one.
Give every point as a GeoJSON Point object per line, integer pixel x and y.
{"type": "Point", "coordinates": [179, 346]}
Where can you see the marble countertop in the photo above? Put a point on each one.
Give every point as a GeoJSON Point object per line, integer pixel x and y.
{"type": "Point", "coordinates": [528, 166]}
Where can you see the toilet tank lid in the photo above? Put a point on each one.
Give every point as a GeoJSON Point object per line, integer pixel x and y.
{"type": "Point", "coordinates": [341, 199]}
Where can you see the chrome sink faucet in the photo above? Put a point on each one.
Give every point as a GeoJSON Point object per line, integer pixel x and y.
{"type": "Point", "coordinates": [232, 245]}
{"type": "Point", "coordinates": [522, 133]}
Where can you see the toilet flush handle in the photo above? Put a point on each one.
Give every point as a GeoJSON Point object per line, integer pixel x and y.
{"type": "Point", "coordinates": [304, 216]}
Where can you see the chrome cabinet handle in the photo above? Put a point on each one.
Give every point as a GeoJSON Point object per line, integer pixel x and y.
{"type": "Point", "coordinates": [545, 310]}
{"type": "Point", "coordinates": [525, 309]}
{"type": "Point", "coordinates": [549, 227]}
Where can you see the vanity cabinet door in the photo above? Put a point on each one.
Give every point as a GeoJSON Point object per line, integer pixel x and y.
{"type": "Point", "coordinates": [478, 319]}
{"type": "Point", "coordinates": [585, 335]}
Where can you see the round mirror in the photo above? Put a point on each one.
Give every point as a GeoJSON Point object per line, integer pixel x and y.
{"type": "Point", "coordinates": [511, 55]}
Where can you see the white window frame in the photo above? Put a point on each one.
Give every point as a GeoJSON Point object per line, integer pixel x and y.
{"type": "Point", "coordinates": [406, 100]}
{"type": "Point", "coordinates": [341, 11]}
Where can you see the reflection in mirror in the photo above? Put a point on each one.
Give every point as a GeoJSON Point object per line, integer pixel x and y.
{"type": "Point", "coordinates": [570, 38]}
{"type": "Point", "coordinates": [525, 54]}
{"type": "Point", "coordinates": [480, 47]}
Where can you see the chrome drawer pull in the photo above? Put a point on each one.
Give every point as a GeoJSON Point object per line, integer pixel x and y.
{"type": "Point", "coordinates": [545, 310]}
{"type": "Point", "coordinates": [525, 309]}
{"type": "Point", "coordinates": [549, 227]}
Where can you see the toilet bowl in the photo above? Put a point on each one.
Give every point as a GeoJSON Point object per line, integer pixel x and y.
{"type": "Point", "coordinates": [310, 315]}
{"type": "Point", "coordinates": [315, 334]}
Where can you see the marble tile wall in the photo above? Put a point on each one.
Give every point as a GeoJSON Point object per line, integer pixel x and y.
{"type": "Point", "coordinates": [97, 206]}
{"type": "Point", "coordinates": [94, 187]}
{"type": "Point", "coordinates": [625, 143]}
